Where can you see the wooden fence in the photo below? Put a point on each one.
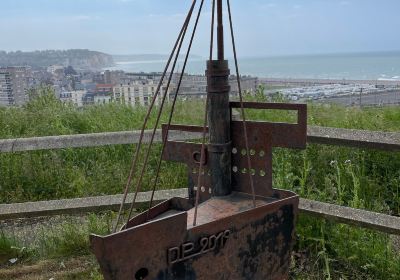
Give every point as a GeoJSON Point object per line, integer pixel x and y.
{"type": "Point", "coordinates": [388, 141]}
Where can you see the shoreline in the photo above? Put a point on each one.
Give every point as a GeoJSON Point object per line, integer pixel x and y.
{"type": "Point", "coordinates": [307, 82]}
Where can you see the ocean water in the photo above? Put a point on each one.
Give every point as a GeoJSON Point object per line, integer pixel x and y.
{"type": "Point", "coordinates": [363, 66]}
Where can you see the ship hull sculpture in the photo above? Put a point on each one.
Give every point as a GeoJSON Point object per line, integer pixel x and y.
{"type": "Point", "coordinates": [244, 228]}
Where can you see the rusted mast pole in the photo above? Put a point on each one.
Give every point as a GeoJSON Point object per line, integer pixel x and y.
{"type": "Point", "coordinates": [219, 116]}
{"type": "Point", "coordinates": [220, 30]}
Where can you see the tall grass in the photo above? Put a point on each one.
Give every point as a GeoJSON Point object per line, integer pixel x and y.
{"type": "Point", "coordinates": [71, 238]}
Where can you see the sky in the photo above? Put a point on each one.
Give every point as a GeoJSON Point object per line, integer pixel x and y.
{"type": "Point", "coordinates": [262, 27]}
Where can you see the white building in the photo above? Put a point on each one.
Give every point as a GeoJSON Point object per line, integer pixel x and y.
{"type": "Point", "coordinates": [53, 68]}
{"type": "Point", "coordinates": [100, 99]}
{"type": "Point", "coordinates": [75, 97]}
{"type": "Point", "coordinates": [139, 93]}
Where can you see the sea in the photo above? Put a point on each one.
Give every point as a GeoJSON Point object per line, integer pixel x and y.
{"type": "Point", "coordinates": [351, 66]}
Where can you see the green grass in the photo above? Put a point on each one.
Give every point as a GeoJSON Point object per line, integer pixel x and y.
{"type": "Point", "coordinates": [357, 178]}
{"type": "Point", "coordinates": [7, 248]}
{"type": "Point", "coordinates": [71, 239]}
{"type": "Point", "coordinates": [67, 239]}
{"type": "Point", "coordinates": [12, 249]}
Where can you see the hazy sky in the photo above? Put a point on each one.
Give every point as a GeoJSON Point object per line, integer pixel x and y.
{"type": "Point", "coordinates": [263, 27]}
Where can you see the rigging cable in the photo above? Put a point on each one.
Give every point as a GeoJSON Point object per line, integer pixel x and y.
{"type": "Point", "coordinates": [139, 183]}
{"type": "Point", "coordinates": [173, 106]}
{"type": "Point", "coordinates": [138, 148]}
{"type": "Point", "coordinates": [202, 153]}
{"type": "Point", "coordinates": [246, 139]}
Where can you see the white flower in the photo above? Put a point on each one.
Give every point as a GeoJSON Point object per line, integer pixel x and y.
{"type": "Point", "coordinates": [333, 163]}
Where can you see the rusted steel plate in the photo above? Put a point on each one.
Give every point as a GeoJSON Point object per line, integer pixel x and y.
{"type": "Point", "coordinates": [183, 128]}
{"type": "Point", "coordinates": [269, 106]}
{"type": "Point", "coordinates": [227, 245]}
{"type": "Point", "coordinates": [189, 153]}
{"type": "Point", "coordinates": [263, 136]}
{"type": "Point", "coordinates": [182, 152]}
{"type": "Point", "coordinates": [260, 146]}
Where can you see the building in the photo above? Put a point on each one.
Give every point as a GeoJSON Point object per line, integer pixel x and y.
{"type": "Point", "coordinates": [75, 97]}
{"type": "Point", "coordinates": [139, 93]}
{"type": "Point", "coordinates": [192, 86]}
{"type": "Point", "coordinates": [195, 86]}
{"type": "Point", "coordinates": [88, 99]}
{"type": "Point", "coordinates": [107, 77]}
{"type": "Point", "coordinates": [14, 83]}
{"type": "Point", "coordinates": [55, 68]}
{"type": "Point", "coordinates": [114, 77]}
{"type": "Point", "coordinates": [98, 78]}
{"type": "Point", "coordinates": [248, 83]}
{"type": "Point", "coordinates": [104, 88]}
{"type": "Point", "coordinates": [6, 98]}
{"type": "Point", "coordinates": [101, 99]}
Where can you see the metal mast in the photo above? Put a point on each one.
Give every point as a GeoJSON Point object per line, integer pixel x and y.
{"type": "Point", "coordinates": [219, 117]}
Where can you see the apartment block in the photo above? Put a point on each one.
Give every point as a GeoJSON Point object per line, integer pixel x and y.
{"type": "Point", "coordinates": [75, 97]}
{"type": "Point", "coordinates": [14, 83]}
{"type": "Point", "coordinates": [6, 97]}
{"type": "Point", "coordinates": [140, 93]}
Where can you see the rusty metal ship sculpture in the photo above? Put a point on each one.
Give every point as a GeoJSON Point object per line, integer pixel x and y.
{"type": "Point", "coordinates": [234, 224]}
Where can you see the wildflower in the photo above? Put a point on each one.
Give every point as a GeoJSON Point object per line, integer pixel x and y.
{"type": "Point", "coordinates": [333, 163]}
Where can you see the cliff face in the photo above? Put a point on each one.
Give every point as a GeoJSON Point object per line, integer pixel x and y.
{"type": "Point", "coordinates": [79, 59]}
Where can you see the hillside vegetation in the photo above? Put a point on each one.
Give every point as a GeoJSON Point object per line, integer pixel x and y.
{"type": "Point", "coordinates": [357, 178]}
{"type": "Point", "coordinates": [77, 58]}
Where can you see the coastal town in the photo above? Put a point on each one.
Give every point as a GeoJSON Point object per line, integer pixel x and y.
{"type": "Point", "coordinates": [89, 87]}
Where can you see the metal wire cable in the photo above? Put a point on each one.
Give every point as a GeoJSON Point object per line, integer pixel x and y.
{"type": "Point", "coordinates": [139, 183]}
{"type": "Point", "coordinates": [212, 30]}
{"type": "Point", "coordinates": [241, 104]}
{"type": "Point", "coordinates": [173, 107]}
{"type": "Point", "coordinates": [136, 154]}
{"type": "Point", "coordinates": [202, 153]}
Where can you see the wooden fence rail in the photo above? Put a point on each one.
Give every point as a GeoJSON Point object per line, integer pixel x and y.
{"type": "Point", "coordinates": [346, 215]}
{"type": "Point", "coordinates": [388, 141]}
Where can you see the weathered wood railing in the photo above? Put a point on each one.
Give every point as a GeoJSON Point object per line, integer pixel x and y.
{"type": "Point", "coordinates": [387, 141]}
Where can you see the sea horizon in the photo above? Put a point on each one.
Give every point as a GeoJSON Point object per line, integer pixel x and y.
{"type": "Point", "coordinates": [384, 65]}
